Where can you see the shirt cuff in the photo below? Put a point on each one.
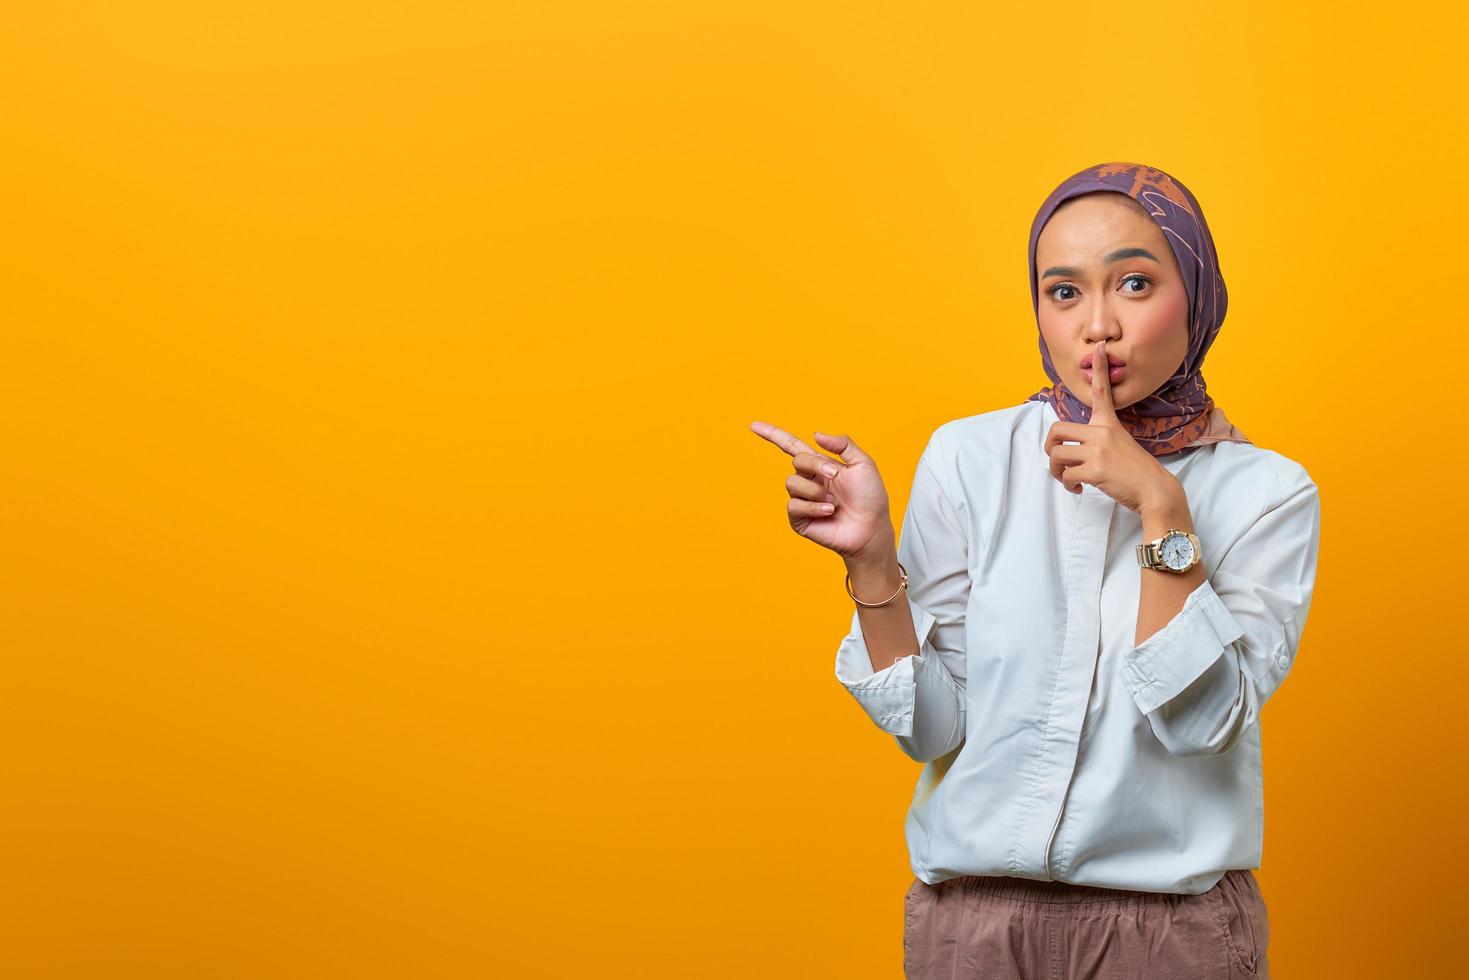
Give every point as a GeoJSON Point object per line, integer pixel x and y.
{"type": "Point", "coordinates": [888, 695]}
{"type": "Point", "coordinates": [1174, 657]}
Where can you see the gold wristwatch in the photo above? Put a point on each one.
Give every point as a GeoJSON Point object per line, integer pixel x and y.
{"type": "Point", "coordinates": [1177, 551]}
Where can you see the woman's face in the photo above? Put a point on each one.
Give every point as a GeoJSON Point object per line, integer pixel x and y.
{"type": "Point", "coordinates": [1105, 272]}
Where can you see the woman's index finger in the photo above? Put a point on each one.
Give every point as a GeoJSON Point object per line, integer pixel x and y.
{"type": "Point", "coordinates": [791, 444]}
{"type": "Point", "coordinates": [1102, 408]}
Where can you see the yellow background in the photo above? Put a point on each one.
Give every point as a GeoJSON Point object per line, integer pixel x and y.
{"type": "Point", "coordinates": [392, 584]}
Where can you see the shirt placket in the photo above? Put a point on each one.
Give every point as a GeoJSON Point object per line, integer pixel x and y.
{"type": "Point", "coordinates": [1085, 563]}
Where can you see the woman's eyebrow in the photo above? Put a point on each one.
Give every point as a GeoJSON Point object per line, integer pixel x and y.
{"type": "Point", "coordinates": [1117, 256]}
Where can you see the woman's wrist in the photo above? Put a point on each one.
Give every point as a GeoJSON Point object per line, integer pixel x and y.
{"type": "Point", "coordinates": [1168, 502]}
{"type": "Point", "coordinates": [875, 575]}
{"type": "Point", "coordinates": [879, 555]}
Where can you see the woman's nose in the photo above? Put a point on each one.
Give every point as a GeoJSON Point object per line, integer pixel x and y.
{"type": "Point", "coordinates": [1101, 324]}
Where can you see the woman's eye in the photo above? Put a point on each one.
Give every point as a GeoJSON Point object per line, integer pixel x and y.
{"type": "Point", "coordinates": [1055, 291]}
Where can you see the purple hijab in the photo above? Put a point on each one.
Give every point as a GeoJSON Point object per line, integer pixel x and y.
{"type": "Point", "coordinates": [1179, 414]}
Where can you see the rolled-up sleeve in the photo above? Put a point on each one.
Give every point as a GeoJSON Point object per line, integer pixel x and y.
{"type": "Point", "coordinates": [919, 699]}
{"type": "Point", "coordinates": [1203, 678]}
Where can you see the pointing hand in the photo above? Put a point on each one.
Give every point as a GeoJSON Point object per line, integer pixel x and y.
{"type": "Point", "coordinates": [840, 504]}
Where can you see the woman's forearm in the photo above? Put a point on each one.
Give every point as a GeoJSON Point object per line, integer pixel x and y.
{"type": "Point", "coordinates": [887, 630]}
{"type": "Point", "coordinates": [1161, 594]}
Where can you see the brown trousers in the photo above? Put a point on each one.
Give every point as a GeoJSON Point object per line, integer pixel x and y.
{"type": "Point", "coordinates": [1002, 928]}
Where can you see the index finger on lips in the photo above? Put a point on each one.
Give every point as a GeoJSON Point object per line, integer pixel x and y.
{"type": "Point", "coordinates": [1101, 384]}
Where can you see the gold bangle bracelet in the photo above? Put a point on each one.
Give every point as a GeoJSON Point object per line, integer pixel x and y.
{"type": "Point", "coordinates": [902, 586]}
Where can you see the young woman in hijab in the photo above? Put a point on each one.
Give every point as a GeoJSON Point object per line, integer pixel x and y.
{"type": "Point", "coordinates": [1093, 595]}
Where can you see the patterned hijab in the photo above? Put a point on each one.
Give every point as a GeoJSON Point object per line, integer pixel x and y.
{"type": "Point", "coordinates": [1179, 414]}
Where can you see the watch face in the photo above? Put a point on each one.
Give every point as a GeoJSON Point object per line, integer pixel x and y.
{"type": "Point", "coordinates": [1177, 550]}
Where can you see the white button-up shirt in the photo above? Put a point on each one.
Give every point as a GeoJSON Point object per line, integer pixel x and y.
{"type": "Point", "coordinates": [1055, 748]}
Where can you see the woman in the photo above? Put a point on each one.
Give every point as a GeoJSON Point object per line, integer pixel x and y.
{"type": "Point", "coordinates": [1093, 595]}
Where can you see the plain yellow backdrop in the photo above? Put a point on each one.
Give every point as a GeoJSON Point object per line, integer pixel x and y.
{"type": "Point", "coordinates": [392, 586]}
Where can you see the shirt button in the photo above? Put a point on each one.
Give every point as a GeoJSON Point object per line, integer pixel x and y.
{"type": "Point", "coordinates": [1283, 661]}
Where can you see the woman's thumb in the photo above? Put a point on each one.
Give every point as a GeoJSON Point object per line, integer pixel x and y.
{"type": "Point", "coordinates": [843, 446]}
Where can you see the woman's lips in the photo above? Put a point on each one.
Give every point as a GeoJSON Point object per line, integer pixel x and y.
{"type": "Point", "coordinates": [1114, 375]}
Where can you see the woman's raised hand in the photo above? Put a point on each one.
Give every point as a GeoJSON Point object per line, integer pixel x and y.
{"type": "Point", "coordinates": [840, 504]}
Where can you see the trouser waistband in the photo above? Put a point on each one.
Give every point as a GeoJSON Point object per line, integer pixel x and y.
{"type": "Point", "coordinates": [1064, 892]}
